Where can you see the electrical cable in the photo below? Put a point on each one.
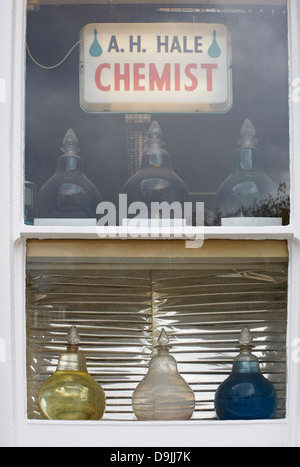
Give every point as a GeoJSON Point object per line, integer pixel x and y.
{"type": "Point", "coordinates": [53, 66]}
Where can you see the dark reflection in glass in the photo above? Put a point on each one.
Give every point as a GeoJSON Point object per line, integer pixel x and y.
{"type": "Point", "coordinates": [68, 193]}
{"type": "Point", "coordinates": [201, 145]}
{"type": "Point", "coordinates": [248, 184]}
{"type": "Point", "coordinates": [155, 181]}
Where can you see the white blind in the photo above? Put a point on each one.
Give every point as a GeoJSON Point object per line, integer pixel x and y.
{"type": "Point", "coordinates": [119, 310]}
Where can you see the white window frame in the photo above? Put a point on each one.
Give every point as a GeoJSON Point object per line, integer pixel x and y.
{"type": "Point", "coordinates": [15, 428]}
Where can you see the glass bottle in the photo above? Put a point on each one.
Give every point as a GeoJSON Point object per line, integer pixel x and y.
{"type": "Point", "coordinates": [248, 185]}
{"type": "Point", "coordinates": [71, 393]}
{"type": "Point", "coordinates": [156, 180]}
{"type": "Point", "coordinates": [163, 394]}
{"type": "Point", "coordinates": [246, 394]}
{"type": "Point", "coordinates": [68, 193]}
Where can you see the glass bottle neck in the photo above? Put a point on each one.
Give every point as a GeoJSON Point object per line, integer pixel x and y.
{"type": "Point", "coordinates": [163, 362]}
{"type": "Point", "coordinates": [246, 367]}
{"type": "Point", "coordinates": [248, 159]}
{"type": "Point", "coordinates": [72, 360]}
{"type": "Point", "coordinates": [69, 163]}
{"type": "Point", "coordinates": [156, 157]}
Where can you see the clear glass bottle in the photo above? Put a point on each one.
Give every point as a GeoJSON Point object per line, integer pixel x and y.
{"type": "Point", "coordinates": [246, 394]}
{"type": "Point", "coordinates": [71, 393]}
{"type": "Point", "coordinates": [163, 394]}
{"type": "Point", "coordinates": [68, 194]}
{"type": "Point", "coordinates": [156, 180]}
{"type": "Point", "coordinates": [248, 185]}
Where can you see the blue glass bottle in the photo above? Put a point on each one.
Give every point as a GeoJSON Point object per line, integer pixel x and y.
{"type": "Point", "coordinates": [246, 394]}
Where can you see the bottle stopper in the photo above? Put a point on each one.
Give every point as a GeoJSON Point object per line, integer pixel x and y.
{"type": "Point", "coordinates": [247, 134]}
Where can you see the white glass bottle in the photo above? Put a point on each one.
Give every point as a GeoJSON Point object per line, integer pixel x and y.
{"type": "Point", "coordinates": [163, 394]}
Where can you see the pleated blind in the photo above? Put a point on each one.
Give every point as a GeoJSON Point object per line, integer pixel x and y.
{"type": "Point", "coordinates": [120, 309]}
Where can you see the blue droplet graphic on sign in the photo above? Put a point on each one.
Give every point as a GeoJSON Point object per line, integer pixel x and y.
{"type": "Point", "coordinates": [214, 51]}
{"type": "Point", "coordinates": [95, 49]}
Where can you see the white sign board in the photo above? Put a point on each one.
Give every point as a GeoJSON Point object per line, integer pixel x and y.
{"type": "Point", "coordinates": [155, 67]}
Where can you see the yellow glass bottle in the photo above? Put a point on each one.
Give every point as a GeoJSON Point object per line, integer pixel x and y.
{"type": "Point", "coordinates": [71, 393]}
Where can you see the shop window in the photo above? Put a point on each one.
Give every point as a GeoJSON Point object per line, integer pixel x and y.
{"type": "Point", "coordinates": [231, 154]}
{"type": "Point", "coordinates": [201, 142]}
{"type": "Point", "coordinates": [120, 298]}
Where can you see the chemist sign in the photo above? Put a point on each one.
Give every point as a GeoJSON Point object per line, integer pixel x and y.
{"type": "Point", "coordinates": [155, 67]}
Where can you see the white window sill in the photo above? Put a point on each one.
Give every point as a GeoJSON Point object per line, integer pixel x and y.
{"type": "Point", "coordinates": [185, 233]}
{"type": "Point", "coordinates": [267, 433]}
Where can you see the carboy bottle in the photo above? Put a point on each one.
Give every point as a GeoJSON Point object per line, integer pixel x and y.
{"type": "Point", "coordinates": [163, 394]}
{"type": "Point", "coordinates": [248, 185]}
{"type": "Point", "coordinates": [155, 181]}
{"type": "Point", "coordinates": [68, 193]}
{"type": "Point", "coordinates": [246, 394]}
{"type": "Point", "coordinates": [71, 393]}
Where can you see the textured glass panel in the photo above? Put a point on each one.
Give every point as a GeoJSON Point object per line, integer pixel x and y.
{"type": "Point", "coordinates": [120, 309]}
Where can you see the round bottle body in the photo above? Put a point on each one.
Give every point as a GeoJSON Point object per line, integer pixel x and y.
{"type": "Point", "coordinates": [246, 394]}
{"type": "Point", "coordinates": [71, 395]}
{"type": "Point", "coordinates": [247, 187]}
{"type": "Point", "coordinates": [68, 193]}
{"type": "Point", "coordinates": [155, 185]}
{"type": "Point", "coordinates": [163, 394]}
{"type": "Point", "coordinates": [156, 181]}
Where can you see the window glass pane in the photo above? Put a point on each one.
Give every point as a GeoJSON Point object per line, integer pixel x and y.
{"type": "Point", "coordinates": [120, 304]}
{"type": "Point", "coordinates": [201, 145]}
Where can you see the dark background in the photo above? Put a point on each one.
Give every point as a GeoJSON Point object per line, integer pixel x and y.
{"type": "Point", "coordinates": [201, 146]}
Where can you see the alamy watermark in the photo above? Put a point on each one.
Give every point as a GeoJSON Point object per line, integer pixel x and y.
{"type": "Point", "coordinates": [156, 220]}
